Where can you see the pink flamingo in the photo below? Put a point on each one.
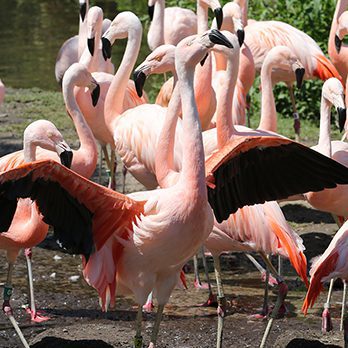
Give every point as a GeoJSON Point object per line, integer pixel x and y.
{"type": "Point", "coordinates": [204, 92]}
{"type": "Point", "coordinates": [332, 264]}
{"type": "Point", "coordinates": [241, 232]}
{"type": "Point", "coordinates": [72, 49]}
{"type": "Point", "coordinates": [92, 55]}
{"type": "Point", "coordinates": [84, 159]}
{"type": "Point", "coordinates": [2, 92]}
{"type": "Point", "coordinates": [170, 25]}
{"type": "Point", "coordinates": [96, 117]}
{"type": "Point", "coordinates": [133, 240]}
{"type": "Point", "coordinates": [27, 227]}
{"type": "Point", "coordinates": [338, 51]}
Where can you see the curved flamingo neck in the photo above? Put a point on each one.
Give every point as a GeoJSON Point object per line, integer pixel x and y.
{"type": "Point", "coordinates": [324, 142]}
{"type": "Point", "coordinates": [166, 141]}
{"type": "Point", "coordinates": [243, 4]}
{"type": "Point", "coordinates": [85, 158]}
{"type": "Point", "coordinates": [155, 35]}
{"type": "Point", "coordinates": [202, 17]}
{"type": "Point", "coordinates": [268, 120]}
{"type": "Point", "coordinates": [193, 165]}
{"type": "Point", "coordinates": [29, 151]}
{"type": "Point", "coordinates": [224, 124]}
{"type": "Point", "coordinates": [341, 6]}
{"type": "Point", "coordinates": [113, 106]}
{"type": "Point", "coordinates": [82, 32]}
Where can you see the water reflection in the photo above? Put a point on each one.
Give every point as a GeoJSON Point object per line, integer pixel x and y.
{"type": "Point", "coordinates": [32, 31]}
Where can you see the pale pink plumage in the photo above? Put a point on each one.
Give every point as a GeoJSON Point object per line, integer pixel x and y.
{"type": "Point", "coordinates": [2, 92]}
{"type": "Point", "coordinates": [333, 200]}
{"type": "Point", "coordinates": [339, 29]}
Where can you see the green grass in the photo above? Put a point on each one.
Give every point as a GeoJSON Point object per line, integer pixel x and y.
{"type": "Point", "coordinates": [22, 106]}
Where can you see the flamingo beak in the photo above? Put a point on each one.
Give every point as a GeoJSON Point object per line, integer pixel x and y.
{"type": "Point", "coordinates": [65, 154]}
{"type": "Point", "coordinates": [150, 11]}
{"type": "Point", "coordinates": [218, 38]}
{"type": "Point", "coordinates": [241, 36]}
{"type": "Point", "coordinates": [342, 115]}
{"type": "Point", "coordinates": [299, 76]}
{"type": "Point", "coordinates": [219, 17]}
{"type": "Point", "coordinates": [338, 43]}
{"type": "Point", "coordinates": [90, 44]}
{"type": "Point", "coordinates": [83, 9]}
{"type": "Point", "coordinates": [204, 59]}
{"type": "Point", "coordinates": [139, 78]}
{"type": "Point", "coordinates": [95, 94]}
{"type": "Point", "coordinates": [106, 48]}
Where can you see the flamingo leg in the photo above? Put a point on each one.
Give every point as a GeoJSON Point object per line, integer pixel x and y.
{"type": "Point", "coordinates": [112, 182]}
{"type": "Point", "coordinates": [297, 122]}
{"type": "Point", "coordinates": [282, 292]}
{"type": "Point", "coordinates": [34, 314]}
{"type": "Point", "coordinates": [156, 326]}
{"type": "Point", "coordinates": [6, 307]}
{"type": "Point", "coordinates": [343, 304]}
{"type": "Point", "coordinates": [221, 310]}
{"type": "Point", "coordinates": [271, 280]}
{"type": "Point", "coordinates": [206, 271]}
{"type": "Point", "coordinates": [138, 339]}
{"type": "Point", "coordinates": [326, 323]}
{"type": "Point", "coordinates": [280, 265]}
{"type": "Point", "coordinates": [197, 281]}
{"type": "Point", "coordinates": [124, 173]}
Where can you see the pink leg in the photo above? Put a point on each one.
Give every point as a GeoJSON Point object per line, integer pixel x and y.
{"type": "Point", "coordinates": [36, 316]}
{"type": "Point", "coordinates": [149, 306]}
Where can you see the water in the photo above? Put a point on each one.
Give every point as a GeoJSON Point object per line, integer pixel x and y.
{"type": "Point", "coordinates": [32, 31]}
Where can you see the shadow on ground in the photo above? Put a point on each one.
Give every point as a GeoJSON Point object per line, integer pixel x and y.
{"type": "Point", "coordinates": [302, 343]}
{"type": "Point", "coordinates": [300, 214]}
{"type": "Point", "coordinates": [54, 342]}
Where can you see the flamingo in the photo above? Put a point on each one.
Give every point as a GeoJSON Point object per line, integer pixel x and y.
{"type": "Point", "coordinates": [204, 92]}
{"type": "Point", "coordinates": [84, 159]}
{"type": "Point", "coordinates": [332, 264]}
{"type": "Point", "coordinates": [337, 50]}
{"type": "Point", "coordinates": [96, 117]}
{"type": "Point", "coordinates": [170, 25]}
{"type": "Point", "coordinates": [256, 228]}
{"type": "Point", "coordinates": [27, 227]}
{"type": "Point", "coordinates": [127, 243]}
{"type": "Point", "coordinates": [92, 55]}
{"type": "Point", "coordinates": [72, 49]}
{"type": "Point", "coordinates": [2, 92]}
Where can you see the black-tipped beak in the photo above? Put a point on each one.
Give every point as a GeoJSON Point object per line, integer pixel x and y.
{"type": "Point", "coordinates": [83, 9]}
{"type": "Point", "coordinates": [218, 38]}
{"type": "Point", "coordinates": [219, 17]}
{"type": "Point", "coordinates": [90, 44]}
{"type": "Point", "coordinates": [95, 95]}
{"type": "Point", "coordinates": [204, 59]}
{"type": "Point", "coordinates": [106, 48]}
{"type": "Point", "coordinates": [240, 35]}
{"type": "Point", "coordinates": [150, 11]}
{"type": "Point", "coordinates": [66, 158]}
{"type": "Point", "coordinates": [139, 79]}
{"type": "Point", "coordinates": [338, 44]}
{"type": "Point", "coordinates": [342, 115]}
{"type": "Point", "coordinates": [299, 72]}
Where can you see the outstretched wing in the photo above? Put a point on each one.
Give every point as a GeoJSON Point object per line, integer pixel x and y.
{"type": "Point", "coordinates": [84, 214]}
{"type": "Point", "coordinates": [255, 169]}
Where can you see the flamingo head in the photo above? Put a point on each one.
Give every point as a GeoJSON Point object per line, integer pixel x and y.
{"type": "Point", "coordinates": [333, 93]}
{"type": "Point", "coordinates": [342, 30]}
{"type": "Point", "coordinates": [44, 134]}
{"type": "Point", "coordinates": [125, 25]}
{"type": "Point", "coordinates": [94, 25]}
{"type": "Point", "coordinates": [159, 61]}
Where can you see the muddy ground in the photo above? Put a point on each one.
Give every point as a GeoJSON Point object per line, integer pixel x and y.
{"type": "Point", "coordinates": [76, 320]}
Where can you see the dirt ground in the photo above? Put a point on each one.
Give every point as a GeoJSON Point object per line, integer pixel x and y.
{"type": "Point", "coordinates": [77, 321]}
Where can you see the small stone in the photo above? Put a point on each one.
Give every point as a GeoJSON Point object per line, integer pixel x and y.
{"type": "Point", "coordinates": [57, 257]}
{"type": "Point", "coordinates": [53, 275]}
{"type": "Point", "coordinates": [74, 278]}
